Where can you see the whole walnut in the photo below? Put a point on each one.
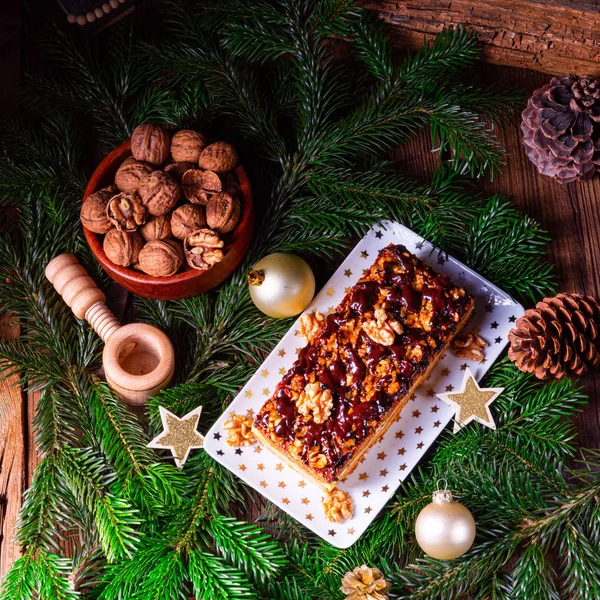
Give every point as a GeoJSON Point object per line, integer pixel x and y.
{"type": "Point", "coordinates": [123, 248]}
{"type": "Point", "coordinates": [130, 174]}
{"type": "Point", "coordinates": [198, 186]}
{"type": "Point", "coordinates": [150, 143]}
{"type": "Point", "coordinates": [156, 228]}
{"type": "Point", "coordinates": [186, 219]}
{"type": "Point", "coordinates": [160, 258]}
{"type": "Point", "coordinates": [219, 157]}
{"type": "Point", "coordinates": [187, 145]}
{"type": "Point", "coordinates": [126, 211]}
{"type": "Point", "coordinates": [203, 249]}
{"type": "Point", "coordinates": [223, 212]}
{"type": "Point", "coordinates": [93, 210]}
{"type": "Point", "coordinates": [159, 193]}
{"type": "Point", "coordinates": [177, 169]}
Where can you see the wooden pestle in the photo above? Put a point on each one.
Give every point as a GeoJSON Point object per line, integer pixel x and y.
{"type": "Point", "coordinates": [138, 359]}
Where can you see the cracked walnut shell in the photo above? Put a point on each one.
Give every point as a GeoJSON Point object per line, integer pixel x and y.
{"type": "Point", "coordinates": [126, 211]}
{"type": "Point", "coordinates": [161, 258]}
{"type": "Point", "coordinates": [130, 174]}
{"type": "Point", "coordinates": [316, 402]}
{"type": "Point", "coordinates": [310, 325]}
{"type": "Point", "coordinates": [187, 145]}
{"type": "Point", "coordinates": [469, 346]}
{"type": "Point", "coordinates": [93, 210]}
{"type": "Point", "coordinates": [198, 186]}
{"type": "Point", "coordinates": [150, 143]}
{"type": "Point", "coordinates": [219, 157]}
{"type": "Point", "coordinates": [156, 228]}
{"type": "Point", "coordinates": [338, 506]}
{"type": "Point", "coordinates": [203, 249]}
{"type": "Point", "coordinates": [223, 212]}
{"type": "Point", "coordinates": [159, 193]}
{"type": "Point", "coordinates": [239, 430]}
{"type": "Point", "coordinates": [122, 248]}
{"type": "Point", "coordinates": [186, 219]}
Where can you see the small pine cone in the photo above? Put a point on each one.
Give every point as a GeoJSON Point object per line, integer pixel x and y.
{"type": "Point", "coordinates": [561, 335]}
{"type": "Point", "coordinates": [338, 506]}
{"type": "Point", "coordinates": [560, 131]}
{"type": "Point", "coordinates": [365, 583]}
{"type": "Point", "coordinates": [239, 430]}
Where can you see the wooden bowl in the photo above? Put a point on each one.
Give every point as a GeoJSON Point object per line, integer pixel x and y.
{"type": "Point", "coordinates": [190, 282]}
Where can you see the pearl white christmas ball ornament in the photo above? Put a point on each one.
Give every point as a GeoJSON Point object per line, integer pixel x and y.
{"type": "Point", "coordinates": [445, 529]}
{"type": "Point", "coordinates": [281, 285]}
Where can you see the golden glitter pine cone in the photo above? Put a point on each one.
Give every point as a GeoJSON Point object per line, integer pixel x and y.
{"type": "Point", "coordinates": [365, 583]}
{"type": "Point", "coordinates": [560, 336]}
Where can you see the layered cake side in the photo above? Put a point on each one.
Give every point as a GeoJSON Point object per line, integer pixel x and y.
{"type": "Point", "coordinates": [361, 365]}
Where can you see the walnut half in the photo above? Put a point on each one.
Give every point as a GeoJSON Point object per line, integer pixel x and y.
{"type": "Point", "coordinates": [239, 430]}
{"type": "Point", "coordinates": [315, 401]}
{"type": "Point", "coordinates": [309, 325]}
{"type": "Point", "coordinates": [469, 346]}
{"type": "Point", "coordinates": [382, 329]}
{"type": "Point", "coordinates": [338, 506]}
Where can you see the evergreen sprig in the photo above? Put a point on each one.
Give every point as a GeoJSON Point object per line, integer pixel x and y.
{"type": "Point", "coordinates": [313, 131]}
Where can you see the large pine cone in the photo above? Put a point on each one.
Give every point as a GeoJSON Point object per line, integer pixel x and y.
{"type": "Point", "coordinates": [559, 128]}
{"type": "Point", "coordinates": [561, 335]}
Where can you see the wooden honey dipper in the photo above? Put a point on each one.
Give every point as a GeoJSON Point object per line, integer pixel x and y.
{"type": "Point", "coordinates": [138, 358]}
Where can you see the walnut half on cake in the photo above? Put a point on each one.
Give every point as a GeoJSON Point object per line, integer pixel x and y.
{"type": "Point", "coordinates": [357, 372]}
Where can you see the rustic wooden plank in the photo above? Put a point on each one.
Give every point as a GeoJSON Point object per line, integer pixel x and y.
{"type": "Point", "coordinates": [12, 456]}
{"type": "Point", "coordinates": [569, 212]}
{"type": "Point", "coordinates": [554, 36]}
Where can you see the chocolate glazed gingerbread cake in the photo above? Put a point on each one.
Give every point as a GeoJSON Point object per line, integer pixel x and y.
{"type": "Point", "coordinates": [361, 365]}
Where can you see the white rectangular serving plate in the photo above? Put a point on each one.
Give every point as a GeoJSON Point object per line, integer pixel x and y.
{"type": "Point", "coordinates": [389, 462]}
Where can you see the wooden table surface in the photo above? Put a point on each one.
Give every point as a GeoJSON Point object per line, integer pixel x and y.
{"type": "Point", "coordinates": [570, 213]}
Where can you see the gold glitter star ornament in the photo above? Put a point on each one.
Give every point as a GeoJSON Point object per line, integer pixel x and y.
{"type": "Point", "coordinates": [471, 402]}
{"type": "Point", "coordinates": [179, 434]}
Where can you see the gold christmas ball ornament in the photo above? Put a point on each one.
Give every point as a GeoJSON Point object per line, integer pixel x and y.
{"type": "Point", "coordinates": [445, 529]}
{"type": "Point", "coordinates": [281, 285]}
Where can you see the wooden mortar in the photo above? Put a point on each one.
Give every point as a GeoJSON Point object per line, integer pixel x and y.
{"type": "Point", "coordinates": [138, 358]}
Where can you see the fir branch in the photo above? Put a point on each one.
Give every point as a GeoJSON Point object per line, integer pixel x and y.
{"type": "Point", "coordinates": [246, 547]}
{"type": "Point", "coordinates": [115, 520]}
{"type": "Point", "coordinates": [533, 576]}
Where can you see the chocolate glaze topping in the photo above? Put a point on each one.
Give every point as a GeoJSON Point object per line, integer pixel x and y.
{"type": "Point", "coordinates": [364, 377]}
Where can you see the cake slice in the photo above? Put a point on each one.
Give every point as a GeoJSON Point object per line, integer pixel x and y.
{"type": "Point", "coordinates": [361, 365]}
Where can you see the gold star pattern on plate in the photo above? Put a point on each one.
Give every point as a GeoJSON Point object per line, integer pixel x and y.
{"type": "Point", "coordinates": [472, 402]}
{"type": "Point", "coordinates": [348, 273]}
{"type": "Point", "coordinates": [301, 483]}
{"type": "Point", "coordinates": [266, 392]}
{"type": "Point", "coordinates": [282, 485]}
{"type": "Point", "coordinates": [248, 394]}
{"type": "Point", "coordinates": [285, 500]}
{"type": "Point", "coordinates": [281, 353]}
{"type": "Point", "coordinates": [279, 467]}
{"type": "Point", "coordinates": [364, 254]}
{"type": "Point", "coordinates": [351, 531]}
{"type": "Point", "coordinates": [242, 467]}
{"type": "Point", "coordinates": [282, 371]}
{"type": "Point", "coordinates": [264, 373]}
{"type": "Point", "coordinates": [330, 292]}
{"type": "Point", "coordinates": [180, 434]}
{"type": "Point", "coordinates": [264, 484]}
